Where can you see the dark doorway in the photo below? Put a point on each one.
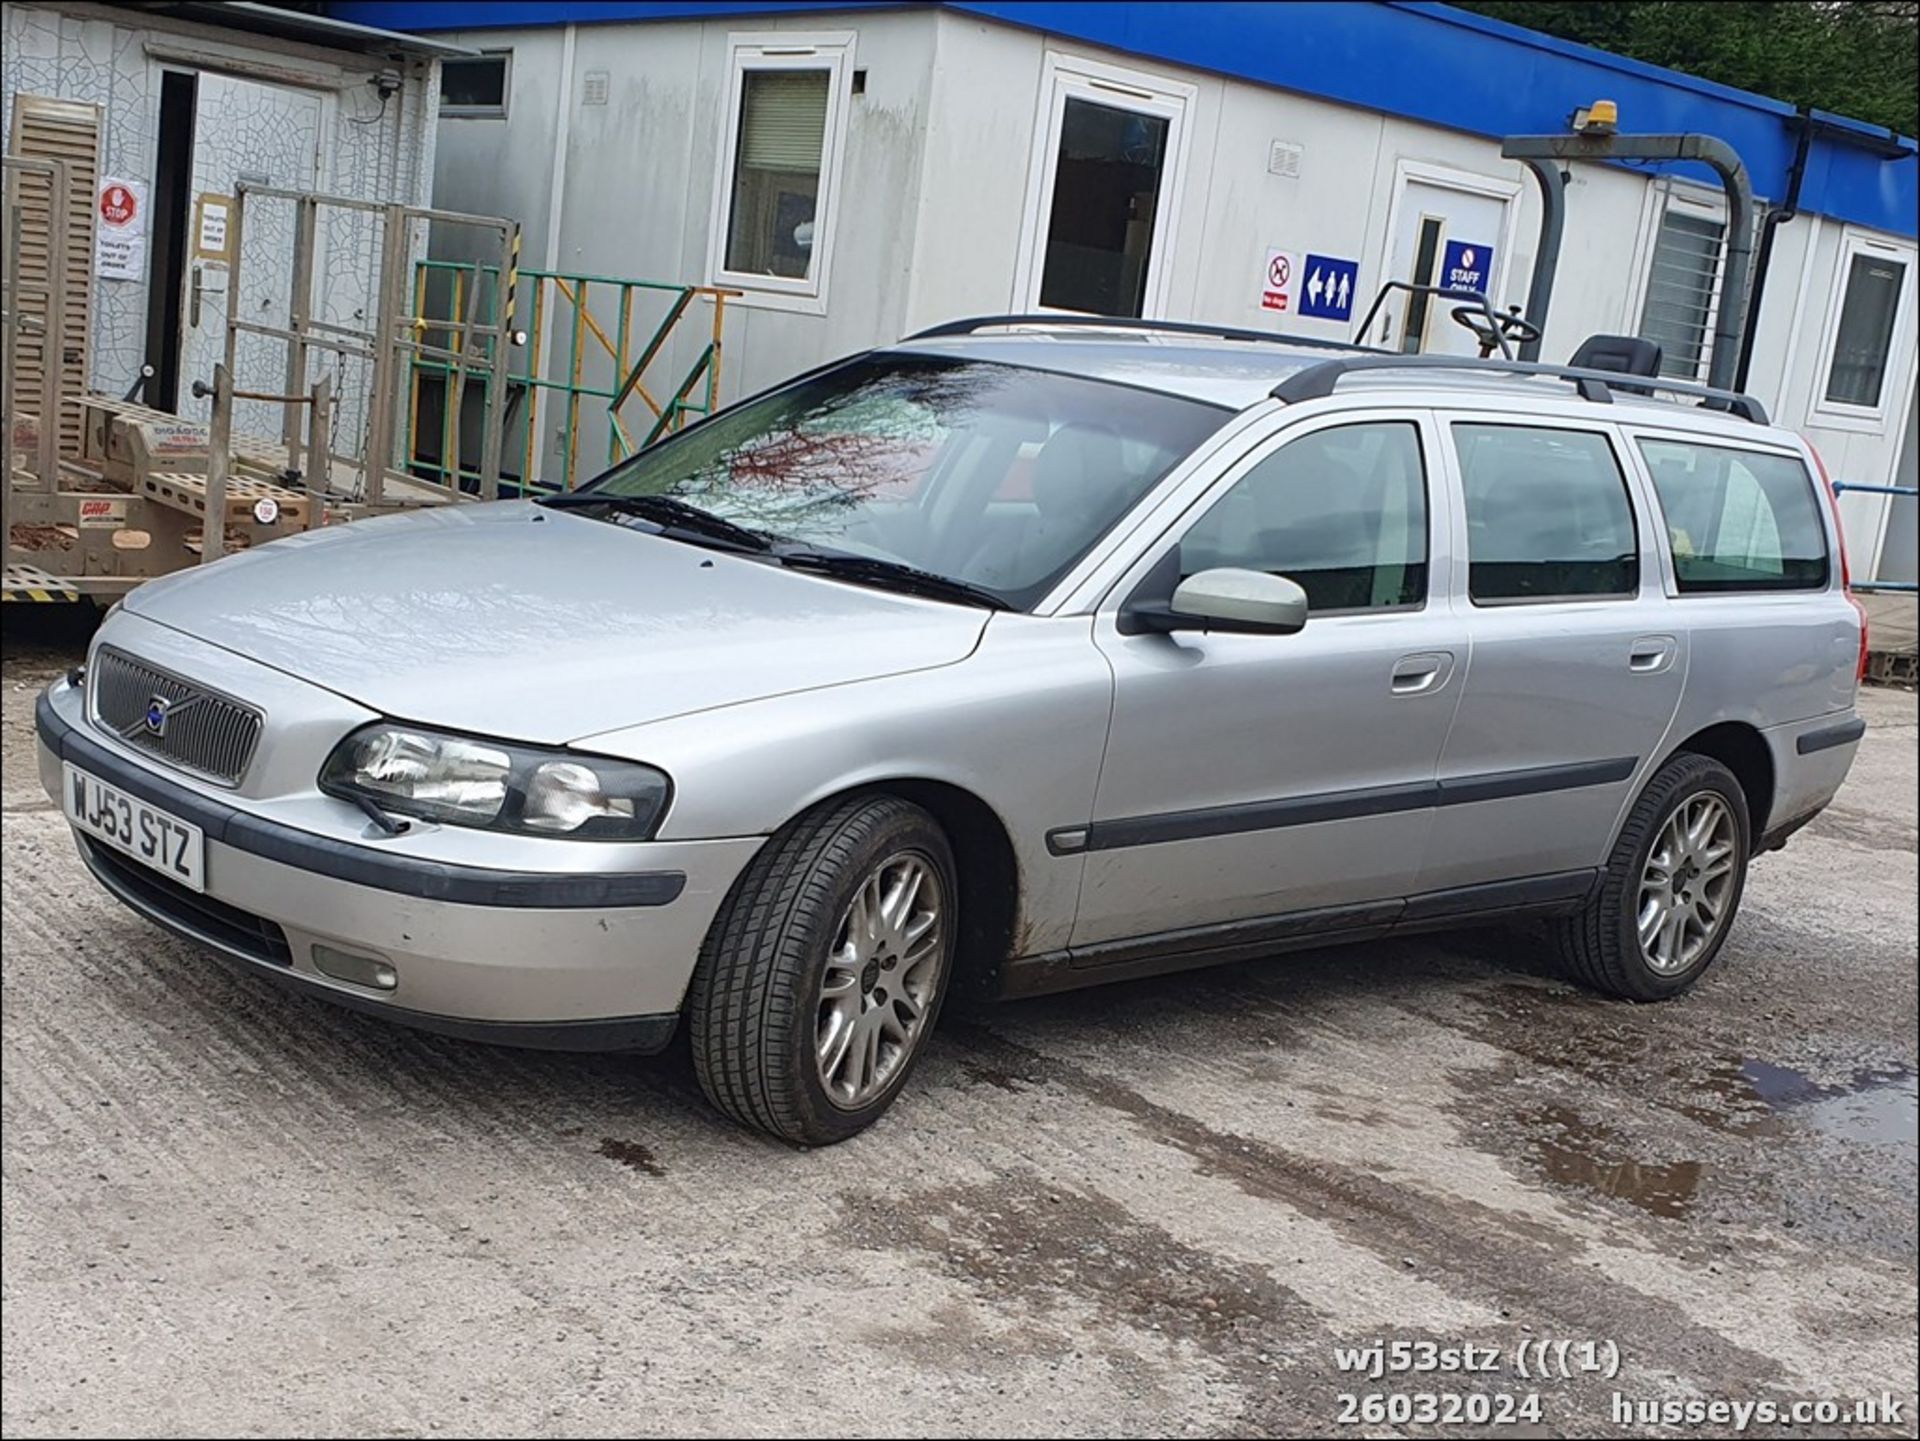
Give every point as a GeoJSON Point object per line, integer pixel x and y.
{"type": "Point", "coordinates": [1106, 190]}
{"type": "Point", "coordinates": [166, 273]}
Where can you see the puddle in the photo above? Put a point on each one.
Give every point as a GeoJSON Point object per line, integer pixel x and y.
{"type": "Point", "coordinates": [1878, 1107]}
{"type": "Point", "coordinates": [1577, 1153]}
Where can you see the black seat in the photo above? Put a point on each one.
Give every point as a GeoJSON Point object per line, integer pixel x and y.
{"type": "Point", "coordinates": [1628, 354]}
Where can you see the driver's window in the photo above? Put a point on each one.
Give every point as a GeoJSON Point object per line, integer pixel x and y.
{"type": "Point", "coordinates": [1342, 512]}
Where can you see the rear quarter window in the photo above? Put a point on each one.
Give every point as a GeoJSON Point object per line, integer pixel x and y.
{"type": "Point", "coordinates": [1737, 520]}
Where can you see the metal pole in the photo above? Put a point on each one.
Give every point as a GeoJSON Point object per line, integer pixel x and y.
{"type": "Point", "coordinates": [299, 306]}
{"type": "Point", "coordinates": [393, 249]}
{"type": "Point", "coordinates": [233, 274]}
{"type": "Point", "coordinates": [213, 530]}
{"type": "Point", "coordinates": [1546, 258]}
{"type": "Point", "coordinates": [1709, 150]}
{"type": "Point", "coordinates": [319, 450]}
{"type": "Point", "coordinates": [494, 435]}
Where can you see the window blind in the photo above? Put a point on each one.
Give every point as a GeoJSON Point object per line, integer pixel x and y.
{"type": "Point", "coordinates": [783, 120]}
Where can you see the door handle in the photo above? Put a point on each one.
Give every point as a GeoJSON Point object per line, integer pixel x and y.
{"type": "Point", "coordinates": [193, 300]}
{"type": "Point", "coordinates": [1651, 654]}
{"type": "Point", "coordinates": [1422, 673]}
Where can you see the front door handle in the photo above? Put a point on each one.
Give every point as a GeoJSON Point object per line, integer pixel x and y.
{"type": "Point", "coordinates": [1422, 673]}
{"type": "Point", "coordinates": [1651, 654]}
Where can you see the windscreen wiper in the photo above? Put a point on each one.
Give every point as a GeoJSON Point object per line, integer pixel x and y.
{"type": "Point", "coordinates": [889, 575]}
{"type": "Point", "coordinates": [675, 517]}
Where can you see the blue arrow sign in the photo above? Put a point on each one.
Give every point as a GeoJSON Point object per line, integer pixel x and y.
{"type": "Point", "coordinates": [1466, 266]}
{"type": "Point", "coordinates": [1327, 289]}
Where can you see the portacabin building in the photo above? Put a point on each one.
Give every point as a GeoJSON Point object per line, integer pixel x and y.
{"type": "Point", "coordinates": [859, 171]}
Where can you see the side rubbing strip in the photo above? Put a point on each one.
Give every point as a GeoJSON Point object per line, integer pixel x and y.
{"type": "Point", "coordinates": [1500, 785]}
{"type": "Point", "coordinates": [1338, 806]}
{"type": "Point", "coordinates": [1844, 734]}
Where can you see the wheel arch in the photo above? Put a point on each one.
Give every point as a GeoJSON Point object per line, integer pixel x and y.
{"type": "Point", "coordinates": [985, 865]}
{"type": "Point", "coordinates": [1741, 748]}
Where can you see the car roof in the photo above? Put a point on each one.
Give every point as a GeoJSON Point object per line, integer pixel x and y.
{"type": "Point", "coordinates": [1235, 373]}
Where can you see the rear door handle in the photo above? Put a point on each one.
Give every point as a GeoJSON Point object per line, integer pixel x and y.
{"type": "Point", "coordinates": [1422, 673]}
{"type": "Point", "coordinates": [1651, 654]}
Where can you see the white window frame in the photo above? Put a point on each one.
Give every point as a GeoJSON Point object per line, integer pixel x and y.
{"type": "Point", "coordinates": [1064, 77]}
{"type": "Point", "coordinates": [783, 50]}
{"type": "Point", "coordinates": [1897, 379]}
{"type": "Point", "coordinates": [483, 112]}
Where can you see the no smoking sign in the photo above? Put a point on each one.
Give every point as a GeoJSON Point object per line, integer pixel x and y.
{"type": "Point", "coordinates": [1277, 285]}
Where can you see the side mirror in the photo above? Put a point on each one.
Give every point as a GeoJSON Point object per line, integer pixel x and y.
{"type": "Point", "coordinates": [1225, 598]}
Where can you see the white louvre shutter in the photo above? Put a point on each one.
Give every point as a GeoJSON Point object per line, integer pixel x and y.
{"type": "Point", "coordinates": [49, 129]}
{"type": "Point", "coordinates": [784, 120]}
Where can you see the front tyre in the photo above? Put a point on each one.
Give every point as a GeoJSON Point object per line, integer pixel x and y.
{"type": "Point", "coordinates": [1672, 886]}
{"type": "Point", "coordinates": [824, 971]}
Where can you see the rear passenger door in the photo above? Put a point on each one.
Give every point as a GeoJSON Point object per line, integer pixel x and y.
{"type": "Point", "coordinates": [1576, 661]}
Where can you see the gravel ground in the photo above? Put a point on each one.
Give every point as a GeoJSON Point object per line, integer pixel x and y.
{"type": "Point", "coordinates": [1154, 1208]}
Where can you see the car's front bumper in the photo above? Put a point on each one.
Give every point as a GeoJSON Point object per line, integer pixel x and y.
{"type": "Point", "coordinates": [539, 957]}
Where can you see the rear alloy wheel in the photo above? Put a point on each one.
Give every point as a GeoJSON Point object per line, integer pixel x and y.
{"type": "Point", "coordinates": [1671, 889]}
{"type": "Point", "coordinates": [1687, 885]}
{"type": "Point", "coordinates": [824, 971]}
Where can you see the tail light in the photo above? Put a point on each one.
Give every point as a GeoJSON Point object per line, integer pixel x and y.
{"type": "Point", "coordinates": [1846, 571]}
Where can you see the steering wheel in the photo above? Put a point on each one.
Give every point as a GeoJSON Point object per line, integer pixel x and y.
{"type": "Point", "coordinates": [1510, 327]}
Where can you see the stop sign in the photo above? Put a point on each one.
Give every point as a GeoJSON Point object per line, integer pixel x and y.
{"type": "Point", "coordinates": [117, 204]}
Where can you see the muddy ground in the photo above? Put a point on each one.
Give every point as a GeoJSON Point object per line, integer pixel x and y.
{"type": "Point", "coordinates": [1155, 1208]}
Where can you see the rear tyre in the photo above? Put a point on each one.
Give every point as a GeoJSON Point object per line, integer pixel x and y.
{"type": "Point", "coordinates": [823, 974]}
{"type": "Point", "coordinates": [1672, 886]}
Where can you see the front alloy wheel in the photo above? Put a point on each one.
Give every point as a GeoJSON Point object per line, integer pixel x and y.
{"type": "Point", "coordinates": [881, 980]}
{"type": "Point", "coordinates": [824, 971]}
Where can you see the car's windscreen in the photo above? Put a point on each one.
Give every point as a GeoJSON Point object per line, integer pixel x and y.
{"type": "Point", "coordinates": [993, 475]}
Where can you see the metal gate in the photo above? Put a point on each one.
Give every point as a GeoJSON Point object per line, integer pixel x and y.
{"type": "Point", "coordinates": [580, 371]}
{"type": "Point", "coordinates": [382, 350]}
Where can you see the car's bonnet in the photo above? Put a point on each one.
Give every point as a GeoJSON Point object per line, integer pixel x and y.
{"type": "Point", "coordinates": [531, 624]}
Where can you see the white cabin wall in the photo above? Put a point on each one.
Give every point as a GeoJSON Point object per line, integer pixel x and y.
{"type": "Point", "coordinates": [935, 187]}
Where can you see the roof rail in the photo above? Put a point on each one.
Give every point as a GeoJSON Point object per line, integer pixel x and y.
{"type": "Point", "coordinates": [1109, 322]}
{"type": "Point", "coordinates": [1316, 382]}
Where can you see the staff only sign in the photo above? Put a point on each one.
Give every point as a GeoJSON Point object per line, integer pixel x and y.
{"type": "Point", "coordinates": [120, 238]}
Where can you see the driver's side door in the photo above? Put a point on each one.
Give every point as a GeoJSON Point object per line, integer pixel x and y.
{"type": "Point", "coordinates": [1253, 777]}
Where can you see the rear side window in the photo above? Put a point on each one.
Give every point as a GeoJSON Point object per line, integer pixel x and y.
{"type": "Point", "coordinates": [1547, 515]}
{"type": "Point", "coordinates": [1736, 519]}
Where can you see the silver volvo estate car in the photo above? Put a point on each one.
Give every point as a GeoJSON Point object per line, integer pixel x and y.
{"type": "Point", "coordinates": [1010, 658]}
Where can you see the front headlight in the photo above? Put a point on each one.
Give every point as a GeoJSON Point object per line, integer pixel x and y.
{"type": "Point", "coordinates": [496, 785]}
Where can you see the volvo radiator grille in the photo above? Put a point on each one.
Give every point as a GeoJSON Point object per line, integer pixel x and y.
{"type": "Point", "coordinates": [184, 724]}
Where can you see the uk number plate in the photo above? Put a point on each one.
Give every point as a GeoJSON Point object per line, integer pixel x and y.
{"type": "Point", "coordinates": [170, 845]}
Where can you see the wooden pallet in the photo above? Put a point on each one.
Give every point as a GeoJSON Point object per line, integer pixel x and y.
{"type": "Point", "coordinates": [189, 493]}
